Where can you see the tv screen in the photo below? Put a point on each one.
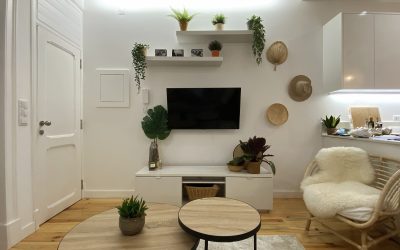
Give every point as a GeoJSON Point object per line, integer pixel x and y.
{"type": "Point", "coordinates": [203, 108]}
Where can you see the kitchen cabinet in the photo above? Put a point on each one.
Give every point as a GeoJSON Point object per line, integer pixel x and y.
{"type": "Point", "coordinates": [361, 51]}
{"type": "Point", "coordinates": [387, 51]}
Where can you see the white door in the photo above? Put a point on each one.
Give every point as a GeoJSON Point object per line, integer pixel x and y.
{"type": "Point", "coordinates": [57, 182]}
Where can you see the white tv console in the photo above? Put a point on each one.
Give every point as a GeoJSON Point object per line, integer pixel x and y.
{"type": "Point", "coordinates": [165, 185]}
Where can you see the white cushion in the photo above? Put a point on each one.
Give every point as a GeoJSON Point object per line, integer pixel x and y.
{"type": "Point", "coordinates": [358, 214]}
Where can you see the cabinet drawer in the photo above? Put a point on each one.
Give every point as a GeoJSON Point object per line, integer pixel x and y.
{"type": "Point", "coordinates": [160, 189]}
{"type": "Point", "coordinates": [257, 192]}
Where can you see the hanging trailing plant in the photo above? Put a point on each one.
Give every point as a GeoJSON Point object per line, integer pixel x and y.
{"type": "Point", "coordinates": [255, 24]}
{"type": "Point", "coordinates": [139, 62]}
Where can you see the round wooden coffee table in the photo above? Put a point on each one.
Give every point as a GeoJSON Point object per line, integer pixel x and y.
{"type": "Point", "coordinates": [220, 219]}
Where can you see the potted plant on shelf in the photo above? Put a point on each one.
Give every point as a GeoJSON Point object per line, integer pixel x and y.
{"type": "Point", "coordinates": [215, 47]}
{"type": "Point", "coordinates": [132, 214]}
{"type": "Point", "coordinates": [183, 17]}
{"type": "Point", "coordinates": [139, 53]}
{"type": "Point", "coordinates": [236, 165]}
{"type": "Point", "coordinates": [255, 24]}
{"type": "Point", "coordinates": [254, 153]}
{"type": "Point", "coordinates": [331, 124]}
{"type": "Point", "coordinates": [155, 127]}
{"type": "Point", "coordinates": [219, 21]}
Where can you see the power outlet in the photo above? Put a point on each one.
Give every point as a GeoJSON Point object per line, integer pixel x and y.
{"type": "Point", "coordinates": [396, 118]}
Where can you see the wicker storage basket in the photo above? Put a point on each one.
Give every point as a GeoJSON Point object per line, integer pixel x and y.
{"type": "Point", "coordinates": [201, 191]}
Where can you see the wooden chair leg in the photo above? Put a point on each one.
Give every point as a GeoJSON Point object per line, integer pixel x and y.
{"type": "Point", "coordinates": [364, 240]}
{"type": "Point", "coordinates": [308, 224]}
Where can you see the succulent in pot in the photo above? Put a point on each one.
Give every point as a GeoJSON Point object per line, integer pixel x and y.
{"type": "Point", "coordinates": [183, 17]}
{"type": "Point", "coordinates": [330, 124]}
{"type": "Point", "coordinates": [132, 214]}
{"type": "Point", "coordinates": [219, 21]}
{"type": "Point", "coordinates": [254, 153]}
{"type": "Point", "coordinates": [139, 53]}
{"type": "Point", "coordinates": [215, 47]}
{"type": "Point", "coordinates": [236, 164]}
{"type": "Point", "coordinates": [255, 24]}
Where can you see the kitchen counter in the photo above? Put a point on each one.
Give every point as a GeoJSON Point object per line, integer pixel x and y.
{"type": "Point", "coordinates": [371, 139]}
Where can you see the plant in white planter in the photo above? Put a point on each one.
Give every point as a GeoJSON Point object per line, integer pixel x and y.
{"type": "Point", "coordinates": [132, 214]}
{"type": "Point", "coordinates": [219, 21]}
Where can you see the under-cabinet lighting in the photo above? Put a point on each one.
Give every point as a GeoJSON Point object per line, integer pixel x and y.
{"type": "Point", "coordinates": [191, 5]}
{"type": "Point", "coordinates": [363, 13]}
{"type": "Point", "coordinates": [366, 98]}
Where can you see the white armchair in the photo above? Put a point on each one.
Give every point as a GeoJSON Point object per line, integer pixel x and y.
{"type": "Point", "coordinates": [387, 179]}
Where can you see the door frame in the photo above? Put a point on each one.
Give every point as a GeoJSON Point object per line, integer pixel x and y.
{"type": "Point", "coordinates": [34, 106]}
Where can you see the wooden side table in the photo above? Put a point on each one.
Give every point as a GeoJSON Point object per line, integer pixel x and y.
{"type": "Point", "coordinates": [220, 220]}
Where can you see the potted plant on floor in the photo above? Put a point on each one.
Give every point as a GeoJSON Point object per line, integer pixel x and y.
{"type": "Point", "coordinates": [236, 165]}
{"type": "Point", "coordinates": [132, 214]}
{"type": "Point", "coordinates": [219, 21]}
{"type": "Point", "coordinates": [183, 17]}
{"type": "Point", "coordinates": [331, 124]}
{"type": "Point", "coordinates": [215, 47]}
{"type": "Point", "coordinates": [155, 127]}
{"type": "Point", "coordinates": [139, 53]}
{"type": "Point", "coordinates": [255, 24]}
{"type": "Point", "coordinates": [254, 153]}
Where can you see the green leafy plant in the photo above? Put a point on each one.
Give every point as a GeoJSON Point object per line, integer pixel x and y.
{"type": "Point", "coordinates": [218, 18]}
{"type": "Point", "coordinates": [132, 208]}
{"type": "Point", "coordinates": [254, 150]}
{"type": "Point", "coordinates": [155, 123]}
{"type": "Point", "coordinates": [215, 45]}
{"type": "Point", "coordinates": [255, 24]}
{"type": "Point", "coordinates": [237, 161]}
{"type": "Point", "coordinates": [331, 122]}
{"type": "Point", "coordinates": [139, 62]}
{"type": "Point", "coordinates": [181, 16]}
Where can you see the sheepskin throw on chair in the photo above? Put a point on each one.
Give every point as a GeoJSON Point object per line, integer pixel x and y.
{"type": "Point", "coordinates": [341, 182]}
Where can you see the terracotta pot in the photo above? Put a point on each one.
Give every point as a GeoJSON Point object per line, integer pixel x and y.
{"type": "Point", "coordinates": [235, 168]}
{"type": "Point", "coordinates": [183, 26]}
{"type": "Point", "coordinates": [131, 226]}
{"type": "Point", "coordinates": [215, 53]}
{"type": "Point", "coordinates": [331, 131]}
{"type": "Point", "coordinates": [253, 167]}
{"type": "Point", "coordinates": [144, 51]}
{"type": "Point", "coordinates": [219, 26]}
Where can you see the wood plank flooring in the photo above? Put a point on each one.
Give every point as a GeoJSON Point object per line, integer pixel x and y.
{"type": "Point", "coordinates": [287, 218]}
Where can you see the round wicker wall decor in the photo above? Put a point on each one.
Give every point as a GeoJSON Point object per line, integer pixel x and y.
{"type": "Point", "coordinates": [277, 53]}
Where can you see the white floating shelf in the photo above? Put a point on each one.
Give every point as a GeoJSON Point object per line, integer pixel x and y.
{"type": "Point", "coordinates": [224, 36]}
{"type": "Point", "coordinates": [183, 61]}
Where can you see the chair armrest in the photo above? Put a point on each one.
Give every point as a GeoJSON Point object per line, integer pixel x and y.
{"type": "Point", "coordinates": [311, 169]}
{"type": "Point", "coordinates": [389, 200]}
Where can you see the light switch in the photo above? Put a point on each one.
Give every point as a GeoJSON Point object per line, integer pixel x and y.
{"type": "Point", "coordinates": [23, 112]}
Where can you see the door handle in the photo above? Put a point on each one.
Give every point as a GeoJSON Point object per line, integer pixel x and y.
{"type": "Point", "coordinates": [44, 123]}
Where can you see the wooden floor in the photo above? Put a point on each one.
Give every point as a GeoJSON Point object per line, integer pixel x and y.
{"type": "Point", "coordinates": [287, 218]}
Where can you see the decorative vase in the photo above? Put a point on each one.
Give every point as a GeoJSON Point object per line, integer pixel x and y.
{"type": "Point", "coordinates": [215, 53]}
{"type": "Point", "coordinates": [154, 157]}
{"type": "Point", "coordinates": [253, 167]}
{"type": "Point", "coordinates": [131, 226]}
{"type": "Point", "coordinates": [144, 51]}
{"type": "Point", "coordinates": [219, 26]}
{"type": "Point", "coordinates": [331, 131]}
{"type": "Point", "coordinates": [235, 168]}
{"type": "Point", "coordinates": [183, 26]}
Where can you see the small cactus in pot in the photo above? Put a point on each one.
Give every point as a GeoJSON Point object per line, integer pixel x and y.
{"type": "Point", "coordinates": [132, 214]}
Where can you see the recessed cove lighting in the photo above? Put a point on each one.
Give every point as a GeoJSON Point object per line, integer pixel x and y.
{"type": "Point", "coordinates": [151, 5]}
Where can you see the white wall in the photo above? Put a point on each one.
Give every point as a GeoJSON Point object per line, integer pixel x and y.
{"type": "Point", "coordinates": [114, 144]}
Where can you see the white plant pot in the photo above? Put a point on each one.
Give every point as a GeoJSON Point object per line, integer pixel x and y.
{"type": "Point", "coordinates": [219, 26]}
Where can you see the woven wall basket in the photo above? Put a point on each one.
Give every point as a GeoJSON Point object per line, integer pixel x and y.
{"type": "Point", "coordinates": [277, 53]}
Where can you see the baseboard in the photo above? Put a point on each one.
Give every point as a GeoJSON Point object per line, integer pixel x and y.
{"type": "Point", "coordinates": [287, 194]}
{"type": "Point", "coordinates": [13, 232]}
{"type": "Point", "coordinates": [100, 193]}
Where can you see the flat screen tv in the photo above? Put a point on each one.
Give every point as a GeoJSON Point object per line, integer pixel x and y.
{"type": "Point", "coordinates": [203, 108]}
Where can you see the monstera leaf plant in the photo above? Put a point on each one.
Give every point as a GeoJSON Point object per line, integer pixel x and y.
{"type": "Point", "coordinates": [155, 127]}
